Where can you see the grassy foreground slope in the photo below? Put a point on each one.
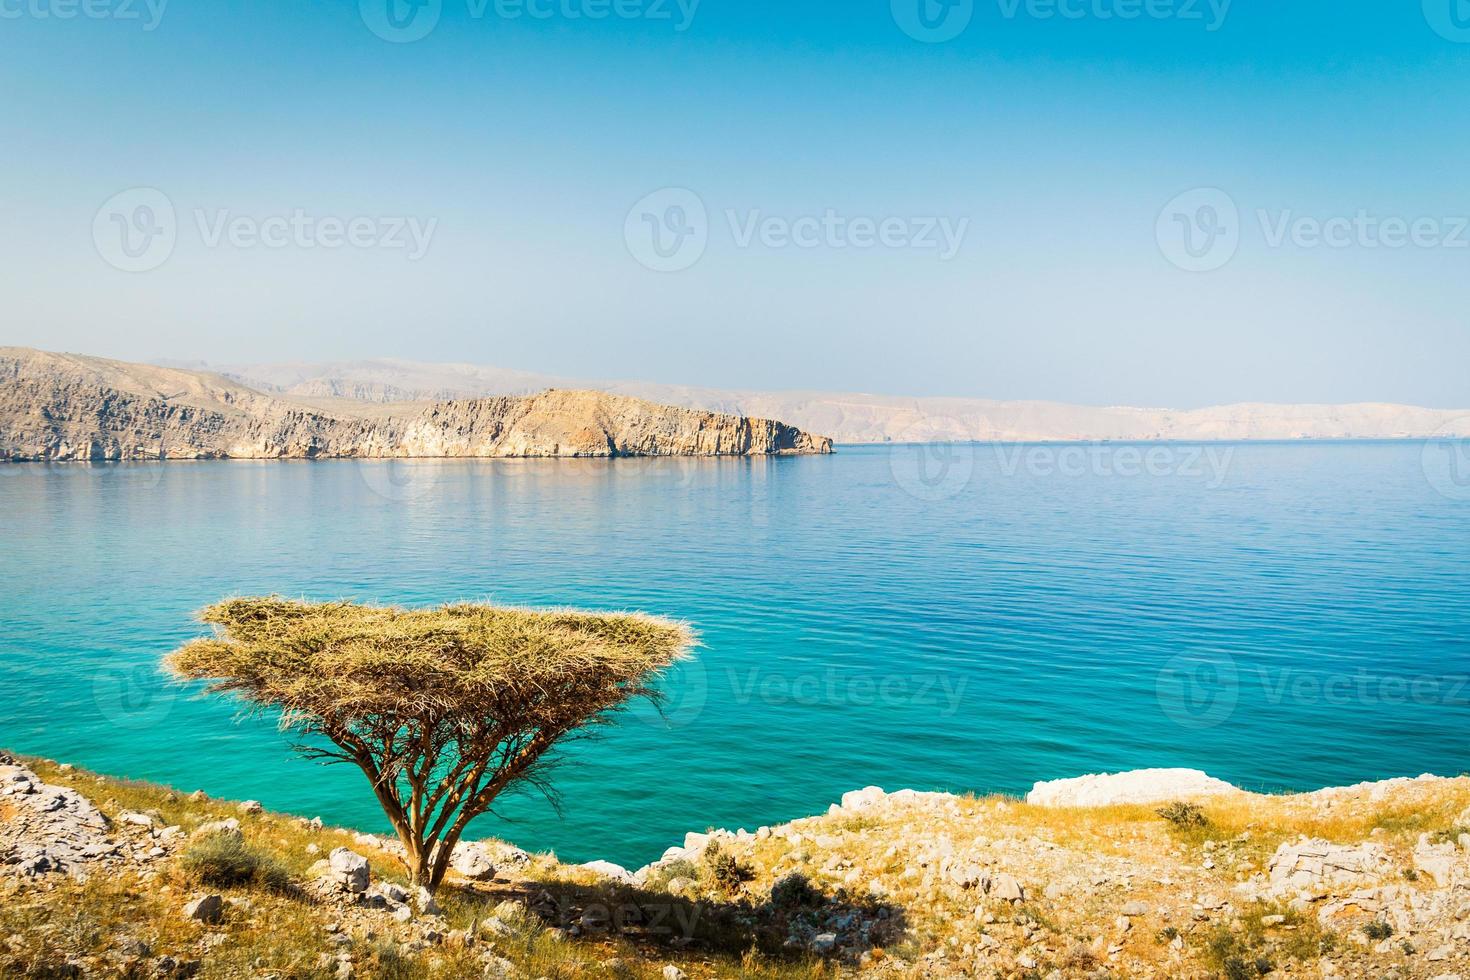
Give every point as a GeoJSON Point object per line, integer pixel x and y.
{"type": "Point", "coordinates": [1370, 881]}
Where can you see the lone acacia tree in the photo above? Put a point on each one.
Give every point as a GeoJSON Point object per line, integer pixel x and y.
{"type": "Point", "coordinates": [441, 708]}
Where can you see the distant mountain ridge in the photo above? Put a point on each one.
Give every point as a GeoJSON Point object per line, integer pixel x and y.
{"type": "Point", "coordinates": [861, 418]}
{"type": "Point", "coordinates": [73, 407]}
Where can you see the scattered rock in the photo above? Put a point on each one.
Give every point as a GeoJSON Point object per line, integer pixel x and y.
{"type": "Point", "coordinates": [1006, 888]}
{"type": "Point", "coordinates": [425, 901]}
{"type": "Point", "coordinates": [251, 807]}
{"type": "Point", "coordinates": [350, 870]}
{"type": "Point", "coordinates": [607, 869]}
{"type": "Point", "coordinates": [49, 829]}
{"type": "Point", "coordinates": [1439, 861]}
{"type": "Point", "coordinates": [473, 862]}
{"type": "Point", "coordinates": [1311, 864]}
{"type": "Point", "coordinates": [208, 908]}
{"type": "Point", "coordinates": [967, 875]}
{"type": "Point", "coordinates": [230, 827]}
{"type": "Point", "coordinates": [859, 799]}
{"type": "Point", "coordinates": [504, 855]}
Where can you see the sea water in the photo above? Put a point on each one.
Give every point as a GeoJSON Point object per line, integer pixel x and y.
{"type": "Point", "coordinates": [969, 618]}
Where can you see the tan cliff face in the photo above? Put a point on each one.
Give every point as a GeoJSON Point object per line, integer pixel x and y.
{"type": "Point", "coordinates": [852, 417]}
{"type": "Point", "coordinates": [63, 407]}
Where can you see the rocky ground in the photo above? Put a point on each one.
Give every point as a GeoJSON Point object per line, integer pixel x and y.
{"type": "Point", "coordinates": [1154, 874]}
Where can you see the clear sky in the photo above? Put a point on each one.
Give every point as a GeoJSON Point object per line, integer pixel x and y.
{"type": "Point", "coordinates": [1163, 202]}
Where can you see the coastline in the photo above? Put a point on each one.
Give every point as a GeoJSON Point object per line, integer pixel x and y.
{"type": "Point", "coordinates": [1153, 873]}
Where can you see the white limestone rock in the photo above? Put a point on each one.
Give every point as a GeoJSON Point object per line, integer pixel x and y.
{"type": "Point", "coordinates": [1140, 786]}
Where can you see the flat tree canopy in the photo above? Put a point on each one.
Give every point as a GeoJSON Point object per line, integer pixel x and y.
{"type": "Point", "coordinates": [441, 708]}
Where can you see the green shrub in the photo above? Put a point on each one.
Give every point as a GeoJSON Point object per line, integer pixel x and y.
{"type": "Point", "coordinates": [795, 891]}
{"type": "Point", "coordinates": [1185, 816]}
{"type": "Point", "coordinates": [1378, 929]}
{"type": "Point", "coordinates": [725, 870]}
{"type": "Point", "coordinates": [1242, 968]}
{"type": "Point", "coordinates": [659, 878]}
{"type": "Point", "coordinates": [225, 860]}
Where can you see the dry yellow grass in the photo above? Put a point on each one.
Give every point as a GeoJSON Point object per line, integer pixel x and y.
{"type": "Point", "coordinates": [93, 925]}
{"type": "Point", "coordinates": [891, 857]}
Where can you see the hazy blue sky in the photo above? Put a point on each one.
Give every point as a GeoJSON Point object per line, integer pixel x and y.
{"type": "Point", "coordinates": [987, 194]}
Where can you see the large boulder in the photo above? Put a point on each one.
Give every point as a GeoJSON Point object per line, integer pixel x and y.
{"type": "Point", "coordinates": [207, 908]}
{"type": "Point", "coordinates": [1439, 861]}
{"type": "Point", "coordinates": [349, 870]}
{"type": "Point", "coordinates": [473, 861]}
{"type": "Point", "coordinates": [1140, 786]}
{"type": "Point", "coordinates": [615, 872]}
{"type": "Point", "coordinates": [1312, 865]}
{"type": "Point", "coordinates": [860, 799]}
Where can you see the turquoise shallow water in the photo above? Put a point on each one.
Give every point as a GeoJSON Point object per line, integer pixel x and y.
{"type": "Point", "coordinates": [970, 619]}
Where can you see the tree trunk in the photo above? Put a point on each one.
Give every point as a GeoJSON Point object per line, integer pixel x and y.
{"type": "Point", "coordinates": [415, 851]}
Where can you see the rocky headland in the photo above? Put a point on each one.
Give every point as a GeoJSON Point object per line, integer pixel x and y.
{"type": "Point", "coordinates": [1162, 873]}
{"type": "Point", "coordinates": [854, 417]}
{"type": "Point", "coordinates": [67, 407]}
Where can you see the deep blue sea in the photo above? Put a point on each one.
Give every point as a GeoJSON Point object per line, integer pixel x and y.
{"type": "Point", "coordinates": [968, 618]}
